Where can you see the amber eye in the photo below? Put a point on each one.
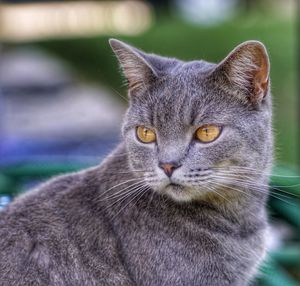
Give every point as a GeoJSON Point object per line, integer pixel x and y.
{"type": "Point", "coordinates": [145, 134]}
{"type": "Point", "coordinates": [208, 133]}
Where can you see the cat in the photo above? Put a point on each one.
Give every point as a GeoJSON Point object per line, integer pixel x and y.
{"type": "Point", "coordinates": [181, 200]}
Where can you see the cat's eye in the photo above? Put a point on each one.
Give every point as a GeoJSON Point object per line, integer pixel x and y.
{"type": "Point", "coordinates": [208, 133]}
{"type": "Point", "coordinates": [145, 135]}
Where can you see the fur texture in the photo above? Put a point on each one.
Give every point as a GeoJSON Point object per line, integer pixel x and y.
{"type": "Point", "coordinates": [126, 222]}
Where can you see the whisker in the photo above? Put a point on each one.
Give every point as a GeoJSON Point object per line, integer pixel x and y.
{"type": "Point", "coordinates": [122, 191]}
{"type": "Point", "coordinates": [228, 186]}
{"type": "Point", "coordinates": [198, 180]}
{"type": "Point", "coordinates": [246, 183]}
{"type": "Point", "coordinates": [118, 93]}
{"type": "Point", "coordinates": [215, 191]}
{"type": "Point", "coordinates": [124, 196]}
{"type": "Point", "coordinates": [137, 193]}
{"type": "Point", "coordinates": [254, 171]}
{"type": "Point", "coordinates": [129, 172]}
{"type": "Point", "coordinates": [277, 196]}
{"type": "Point", "coordinates": [122, 183]}
{"type": "Point", "coordinates": [130, 190]}
{"type": "Point", "coordinates": [253, 187]}
{"type": "Point", "coordinates": [274, 187]}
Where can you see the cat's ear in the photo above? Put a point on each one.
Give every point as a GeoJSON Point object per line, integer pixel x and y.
{"type": "Point", "coordinates": [246, 70]}
{"type": "Point", "coordinates": [137, 70]}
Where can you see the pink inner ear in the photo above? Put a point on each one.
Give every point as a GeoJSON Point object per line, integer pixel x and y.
{"type": "Point", "coordinates": [261, 78]}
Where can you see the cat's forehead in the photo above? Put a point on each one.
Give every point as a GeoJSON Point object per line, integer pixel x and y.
{"type": "Point", "coordinates": [188, 85]}
{"type": "Point", "coordinates": [185, 95]}
{"type": "Point", "coordinates": [190, 68]}
{"type": "Point", "coordinates": [183, 101]}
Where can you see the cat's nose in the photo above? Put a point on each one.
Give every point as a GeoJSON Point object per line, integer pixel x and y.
{"type": "Point", "coordinates": [169, 167]}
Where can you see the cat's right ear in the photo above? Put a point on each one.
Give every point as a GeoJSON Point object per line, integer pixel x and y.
{"type": "Point", "coordinates": [137, 70]}
{"type": "Point", "coordinates": [245, 71]}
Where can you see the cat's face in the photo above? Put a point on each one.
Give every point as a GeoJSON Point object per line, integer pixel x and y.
{"type": "Point", "coordinates": [188, 129]}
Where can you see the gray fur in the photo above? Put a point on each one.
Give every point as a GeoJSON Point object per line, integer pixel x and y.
{"type": "Point", "coordinates": [122, 223]}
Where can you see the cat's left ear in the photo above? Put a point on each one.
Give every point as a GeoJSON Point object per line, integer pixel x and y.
{"type": "Point", "coordinates": [246, 69]}
{"type": "Point", "coordinates": [137, 70]}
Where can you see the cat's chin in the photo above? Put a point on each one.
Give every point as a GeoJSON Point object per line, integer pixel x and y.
{"type": "Point", "coordinates": [182, 194]}
{"type": "Point", "coordinates": [179, 193]}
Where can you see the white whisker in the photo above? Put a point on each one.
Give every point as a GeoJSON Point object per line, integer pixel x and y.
{"type": "Point", "coordinates": [125, 196]}
{"type": "Point", "coordinates": [122, 183]}
{"type": "Point", "coordinates": [135, 195]}
{"type": "Point", "coordinates": [255, 188]}
{"type": "Point", "coordinates": [250, 182]}
{"type": "Point", "coordinates": [254, 171]}
{"type": "Point", "coordinates": [122, 191]}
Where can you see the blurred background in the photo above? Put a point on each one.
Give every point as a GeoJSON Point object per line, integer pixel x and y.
{"type": "Point", "coordinates": [62, 96]}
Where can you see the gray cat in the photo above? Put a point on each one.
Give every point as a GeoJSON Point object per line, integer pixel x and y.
{"type": "Point", "coordinates": [181, 201]}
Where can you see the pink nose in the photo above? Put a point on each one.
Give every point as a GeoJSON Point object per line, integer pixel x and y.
{"type": "Point", "coordinates": [169, 168]}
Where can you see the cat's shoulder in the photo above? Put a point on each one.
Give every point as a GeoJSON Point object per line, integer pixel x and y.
{"type": "Point", "coordinates": [46, 197]}
{"type": "Point", "coordinates": [33, 226]}
{"type": "Point", "coordinates": [64, 189]}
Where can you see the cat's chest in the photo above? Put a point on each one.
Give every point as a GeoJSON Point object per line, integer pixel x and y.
{"type": "Point", "coordinates": [173, 253]}
{"type": "Point", "coordinates": [178, 260]}
{"type": "Point", "coordinates": [179, 249]}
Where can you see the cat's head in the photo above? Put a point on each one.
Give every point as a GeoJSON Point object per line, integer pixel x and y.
{"type": "Point", "coordinates": [193, 128]}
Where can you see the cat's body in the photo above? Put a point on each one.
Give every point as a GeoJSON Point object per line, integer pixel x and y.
{"type": "Point", "coordinates": [105, 226]}
{"type": "Point", "coordinates": [64, 234]}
